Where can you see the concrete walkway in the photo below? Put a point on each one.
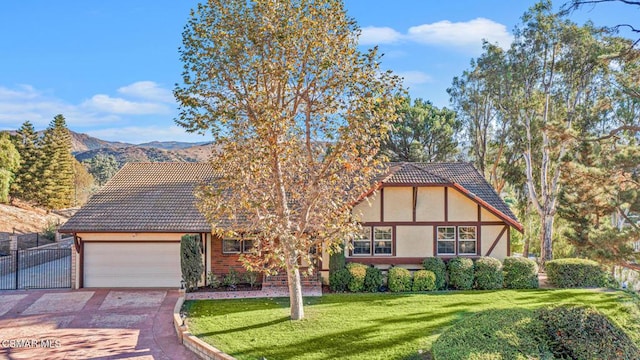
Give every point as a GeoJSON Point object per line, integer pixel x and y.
{"type": "Point", "coordinates": [89, 324]}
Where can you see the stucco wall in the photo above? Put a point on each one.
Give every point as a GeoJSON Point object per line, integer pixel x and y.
{"type": "Point", "coordinates": [461, 208]}
{"type": "Point", "coordinates": [414, 241]}
{"type": "Point", "coordinates": [398, 204]}
{"type": "Point", "coordinates": [488, 216]}
{"type": "Point", "coordinates": [430, 204]}
{"type": "Point", "coordinates": [489, 234]}
{"type": "Point", "coordinates": [368, 209]}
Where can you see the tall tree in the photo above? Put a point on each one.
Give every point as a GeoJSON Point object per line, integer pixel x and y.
{"type": "Point", "coordinates": [29, 176]}
{"type": "Point", "coordinates": [9, 163]}
{"type": "Point", "coordinates": [57, 187]}
{"type": "Point", "coordinates": [423, 133]}
{"type": "Point", "coordinates": [83, 184]}
{"type": "Point", "coordinates": [102, 167]}
{"type": "Point", "coordinates": [298, 114]}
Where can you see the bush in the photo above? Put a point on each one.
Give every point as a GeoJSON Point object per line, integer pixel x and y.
{"type": "Point", "coordinates": [191, 261]}
{"type": "Point", "coordinates": [231, 280]}
{"type": "Point", "coordinates": [339, 280]}
{"type": "Point", "coordinates": [424, 280]}
{"type": "Point", "coordinates": [438, 267]}
{"type": "Point", "coordinates": [337, 260]}
{"type": "Point", "coordinates": [494, 334]}
{"type": "Point", "coordinates": [460, 273]}
{"type": "Point", "coordinates": [571, 273]}
{"type": "Point", "coordinates": [251, 278]}
{"type": "Point", "coordinates": [584, 333]}
{"type": "Point", "coordinates": [358, 273]}
{"type": "Point", "coordinates": [373, 279]}
{"type": "Point", "coordinates": [399, 279]}
{"type": "Point", "coordinates": [213, 280]}
{"type": "Point", "coordinates": [488, 274]}
{"type": "Point", "coordinates": [520, 273]}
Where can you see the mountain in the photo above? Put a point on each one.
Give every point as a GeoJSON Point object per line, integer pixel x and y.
{"type": "Point", "coordinates": [171, 145]}
{"type": "Point", "coordinates": [135, 154]}
{"type": "Point", "coordinates": [83, 142]}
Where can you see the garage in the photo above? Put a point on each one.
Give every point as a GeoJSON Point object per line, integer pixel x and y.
{"type": "Point", "coordinates": [132, 264]}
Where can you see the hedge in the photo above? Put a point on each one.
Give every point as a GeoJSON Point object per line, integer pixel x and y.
{"type": "Point", "coordinates": [373, 279]}
{"type": "Point", "coordinates": [424, 280]}
{"type": "Point", "coordinates": [438, 267]}
{"type": "Point", "coordinates": [460, 272]}
{"type": "Point", "coordinates": [399, 279]}
{"type": "Point", "coordinates": [488, 274]}
{"type": "Point", "coordinates": [358, 273]}
{"type": "Point", "coordinates": [571, 273]}
{"type": "Point", "coordinates": [339, 280]}
{"type": "Point", "coordinates": [520, 273]}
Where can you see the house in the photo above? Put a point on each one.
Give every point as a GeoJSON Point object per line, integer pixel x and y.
{"type": "Point", "coordinates": [128, 234]}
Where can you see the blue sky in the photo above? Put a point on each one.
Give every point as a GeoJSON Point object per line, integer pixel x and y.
{"type": "Point", "coordinates": [110, 66]}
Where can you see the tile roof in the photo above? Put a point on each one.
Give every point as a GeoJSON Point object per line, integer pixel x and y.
{"type": "Point", "coordinates": [462, 174]}
{"type": "Point", "coordinates": [151, 197]}
{"type": "Point", "coordinates": [159, 197]}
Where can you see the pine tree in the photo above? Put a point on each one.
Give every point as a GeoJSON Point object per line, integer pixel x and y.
{"type": "Point", "coordinates": [28, 177]}
{"type": "Point", "coordinates": [9, 163]}
{"type": "Point", "coordinates": [58, 174]}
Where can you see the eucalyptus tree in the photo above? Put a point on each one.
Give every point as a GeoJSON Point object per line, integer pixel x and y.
{"type": "Point", "coordinates": [298, 115]}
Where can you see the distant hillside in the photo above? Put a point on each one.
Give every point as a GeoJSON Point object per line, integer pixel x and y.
{"type": "Point", "coordinates": [171, 145]}
{"type": "Point", "coordinates": [83, 142]}
{"type": "Point", "coordinates": [136, 154]}
{"type": "Point", "coordinates": [26, 219]}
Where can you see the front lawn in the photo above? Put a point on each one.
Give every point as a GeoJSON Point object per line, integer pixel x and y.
{"type": "Point", "coordinates": [373, 326]}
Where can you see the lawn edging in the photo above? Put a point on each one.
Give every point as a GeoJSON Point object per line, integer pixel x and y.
{"type": "Point", "coordinates": [191, 342]}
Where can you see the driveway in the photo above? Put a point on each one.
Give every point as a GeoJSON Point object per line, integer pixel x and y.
{"type": "Point", "coordinates": [89, 324]}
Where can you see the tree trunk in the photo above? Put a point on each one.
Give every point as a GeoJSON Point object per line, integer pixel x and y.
{"type": "Point", "coordinates": [295, 290]}
{"type": "Point", "coordinates": [546, 250]}
{"type": "Point", "coordinates": [525, 247]}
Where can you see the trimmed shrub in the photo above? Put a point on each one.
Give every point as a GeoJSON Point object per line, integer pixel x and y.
{"type": "Point", "coordinates": [520, 273]}
{"type": "Point", "coordinates": [583, 333]}
{"type": "Point", "coordinates": [358, 273]}
{"type": "Point", "coordinates": [191, 261]}
{"type": "Point", "coordinates": [494, 334]}
{"type": "Point", "coordinates": [488, 274]}
{"type": "Point", "coordinates": [373, 279]}
{"type": "Point", "coordinates": [424, 280]}
{"type": "Point", "coordinates": [399, 279]}
{"type": "Point", "coordinates": [337, 260]}
{"type": "Point", "coordinates": [339, 280]}
{"type": "Point", "coordinates": [460, 272]}
{"type": "Point", "coordinates": [438, 267]}
{"type": "Point", "coordinates": [571, 273]}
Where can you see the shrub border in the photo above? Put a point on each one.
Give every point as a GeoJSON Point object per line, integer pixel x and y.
{"type": "Point", "coordinates": [190, 341]}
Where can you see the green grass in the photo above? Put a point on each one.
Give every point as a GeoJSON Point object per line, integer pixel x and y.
{"type": "Point", "coordinates": [373, 326]}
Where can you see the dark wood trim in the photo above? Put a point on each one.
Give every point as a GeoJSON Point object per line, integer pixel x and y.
{"type": "Point", "coordinates": [432, 223]}
{"type": "Point", "coordinates": [133, 232]}
{"type": "Point", "coordinates": [412, 184]}
{"type": "Point", "coordinates": [446, 204]}
{"type": "Point", "coordinates": [489, 207]}
{"type": "Point", "coordinates": [479, 232]}
{"type": "Point", "coordinates": [382, 204]}
{"type": "Point", "coordinates": [479, 213]}
{"type": "Point", "coordinates": [435, 241]}
{"type": "Point", "coordinates": [393, 241]}
{"type": "Point", "coordinates": [81, 266]}
{"type": "Point", "coordinates": [76, 242]}
{"type": "Point", "coordinates": [495, 242]}
{"type": "Point", "coordinates": [385, 260]}
{"type": "Point", "coordinates": [203, 239]}
{"type": "Point", "coordinates": [132, 241]}
{"type": "Point", "coordinates": [415, 202]}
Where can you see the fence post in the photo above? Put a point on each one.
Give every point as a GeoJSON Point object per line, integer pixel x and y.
{"type": "Point", "coordinates": [13, 242]}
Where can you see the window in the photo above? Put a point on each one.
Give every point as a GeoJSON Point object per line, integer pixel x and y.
{"type": "Point", "coordinates": [362, 244]}
{"type": "Point", "coordinates": [231, 246]}
{"type": "Point", "coordinates": [248, 245]}
{"type": "Point", "coordinates": [446, 240]}
{"type": "Point", "coordinates": [467, 240]}
{"type": "Point", "coordinates": [382, 240]}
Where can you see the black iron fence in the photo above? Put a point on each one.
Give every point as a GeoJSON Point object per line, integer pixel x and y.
{"type": "Point", "coordinates": [35, 269]}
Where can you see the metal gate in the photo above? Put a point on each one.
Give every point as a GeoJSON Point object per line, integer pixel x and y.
{"type": "Point", "coordinates": [36, 269]}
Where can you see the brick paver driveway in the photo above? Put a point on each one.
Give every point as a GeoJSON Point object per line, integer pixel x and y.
{"type": "Point", "coordinates": [89, 324]}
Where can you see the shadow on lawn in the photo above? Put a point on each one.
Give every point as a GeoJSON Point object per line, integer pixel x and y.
{"type": "Point", "coordinates": [354, 342]}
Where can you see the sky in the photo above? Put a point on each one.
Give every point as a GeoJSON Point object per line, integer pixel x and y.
{"type": "Point", "coordinates": [110, 66]}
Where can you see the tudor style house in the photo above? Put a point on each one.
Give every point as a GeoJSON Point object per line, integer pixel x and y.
{"type": "Point", "coordinates": [128, 234]}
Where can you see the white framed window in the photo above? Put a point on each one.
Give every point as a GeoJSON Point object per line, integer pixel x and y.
{"type": "Point", "coordinates": [467, 240]}
{"type": "Point", "coordinates": [362, 243]}
{"type": "Point", "coordinates": [231, 246]}
{"type": "Point", "coordinates": [446, 236]}
{"type": "Point", "coordinates": [382, 240]}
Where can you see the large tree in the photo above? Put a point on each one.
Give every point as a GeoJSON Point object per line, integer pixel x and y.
{"type": "Point", "coordinates": [57, 183]}
{"type": "Point", "coordinates": [298, 115]}
{"type": "Point", "coordinates": [9, 163]}
{"type": "Point", "coordinates": [102, 167]}
{"type": "Point", "coordinates": [423, 133]}
{"type": "Point", "coordinates": [29, 176]}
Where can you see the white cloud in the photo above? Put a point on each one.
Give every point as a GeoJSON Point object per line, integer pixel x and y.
{"type": "Point", "coordinates": [372, 35]}
{"type": "Point", "coordinates": [106, 103]}
{"type": "Point", "coordinates": [142, 134]}
{"type": "Point", "coordinates": [147, 90]}
{"type": "Point", "coordinates": [412, 78]}
{"type": "Point", "coordinates": [466, 35]}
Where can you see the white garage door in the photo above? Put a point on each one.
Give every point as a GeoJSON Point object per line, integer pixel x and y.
{"type": "Point", "coordinates": [132, 264]}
